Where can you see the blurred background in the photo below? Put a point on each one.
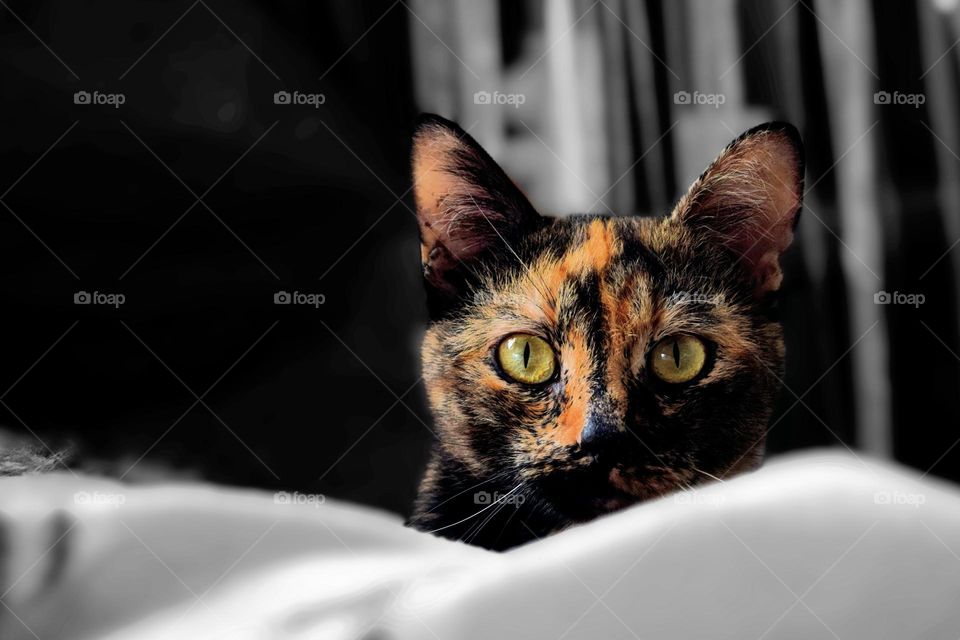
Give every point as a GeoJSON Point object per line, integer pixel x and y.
{"type": "Point", "coordinates": [175, 172]}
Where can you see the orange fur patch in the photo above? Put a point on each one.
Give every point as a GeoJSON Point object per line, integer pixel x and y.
{"type": "Point", "coordinates": [578, 365]}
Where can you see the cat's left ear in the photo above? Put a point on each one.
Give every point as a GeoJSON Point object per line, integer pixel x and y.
{"type": "Point", "coordinates": [467, 207]}
{"type": "Point", "coordinates": [749, 201]}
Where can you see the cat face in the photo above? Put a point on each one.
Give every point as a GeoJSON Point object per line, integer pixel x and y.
{"type": "Point", "coordinates": [590, 362]}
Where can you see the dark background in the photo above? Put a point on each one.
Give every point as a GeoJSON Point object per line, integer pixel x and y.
{"type": "Point", "coordinates": [312, 200]}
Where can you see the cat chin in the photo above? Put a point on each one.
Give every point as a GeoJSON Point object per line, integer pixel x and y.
{"type": "Point", "coordinates": [652, 485]}
{"type": "Point", "coordinates": [587, 509]}
{"type": "Point", "coordinates": [617, 503]}
{"type": "Point", "coordinates": [628, 489]}
{"type": "Point", "coordinates": [592, 492]}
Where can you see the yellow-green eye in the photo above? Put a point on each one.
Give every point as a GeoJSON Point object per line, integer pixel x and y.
{"type": "Point", "coordinates": [526, 358]}
{"type": "Point", "coordinates": [678, 358]}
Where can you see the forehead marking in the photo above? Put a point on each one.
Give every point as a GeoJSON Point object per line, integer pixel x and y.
{"type": "Point", "coordinates": [594, 255]}
{"type": "Point", "coordinates": [596, 252]}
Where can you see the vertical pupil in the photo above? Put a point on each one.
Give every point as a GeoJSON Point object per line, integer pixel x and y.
{"type": "Point", "coordinates": [676, 353]}
{"type": "Point", "coordinates": [526, 355]}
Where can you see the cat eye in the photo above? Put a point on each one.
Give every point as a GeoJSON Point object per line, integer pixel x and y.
{"type": "Point", "coordinates": [678, 358]}
{"type": "Point", "coordinates": [526, 358]}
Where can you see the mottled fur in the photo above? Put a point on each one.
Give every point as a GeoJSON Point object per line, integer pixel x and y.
{"type": "Point", "coordinates": [517, 462]}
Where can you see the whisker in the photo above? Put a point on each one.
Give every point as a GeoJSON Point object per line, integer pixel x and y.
{"type": "Point", "coordinates": [493, 504]}
{"type": "Point", "coordinates": [469, 538]}
{"type": "Point", "coordinates": [507, 522]}
{"type": "Point", "coordinates": [709, 475]}
{"type": "Point", "coordinates": [456, 495]}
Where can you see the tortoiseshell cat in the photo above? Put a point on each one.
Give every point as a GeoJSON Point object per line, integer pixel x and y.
{"type": "Point", "coordinates": [577, 365]}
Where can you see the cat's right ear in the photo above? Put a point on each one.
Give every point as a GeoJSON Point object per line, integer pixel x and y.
{"type": "Point", "coordinates": [467, 207]}
{"type": "Point", "coordinates": [749, 200]}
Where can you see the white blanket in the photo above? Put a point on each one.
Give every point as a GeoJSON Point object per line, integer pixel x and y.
{"type": "Point", "coordinates": [820, 545]}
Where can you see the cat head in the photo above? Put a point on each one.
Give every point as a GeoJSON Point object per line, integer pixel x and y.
{"type": "Point", "coordinates": [596, 361]}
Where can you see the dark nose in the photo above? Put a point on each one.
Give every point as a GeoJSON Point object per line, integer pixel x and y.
{"type": "Point", "coordinates": [600, 434]}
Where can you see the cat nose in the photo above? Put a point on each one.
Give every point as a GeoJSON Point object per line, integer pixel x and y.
{"type": "Point", "coordinates": [599, 432]}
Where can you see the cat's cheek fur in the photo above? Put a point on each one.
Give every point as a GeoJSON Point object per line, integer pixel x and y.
{"type": "Point", "coordinates": [442, 381]}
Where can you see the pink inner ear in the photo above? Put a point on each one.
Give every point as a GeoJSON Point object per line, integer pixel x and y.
{"type": "Point", "coordinates": [466, 204]}
{"type": "Point", "coordinates": [748, 200]}
{"type": "Point", "coordinates": [775, 218]}
{"type": "Point", "coordinates": [440, 196]}
{"type": "Point", "coordinates": [431, 151]}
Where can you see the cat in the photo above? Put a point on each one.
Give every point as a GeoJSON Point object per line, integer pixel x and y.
{"type": "Point", "coordinates": [575, 366]}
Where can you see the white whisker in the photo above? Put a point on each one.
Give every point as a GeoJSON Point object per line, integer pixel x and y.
{"type": "Point", "coordinates": [709, 475]}
{"type": "Point", "coordinates": [493, 504]}
{"type": "Point", "coordinates": [456, 495]}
